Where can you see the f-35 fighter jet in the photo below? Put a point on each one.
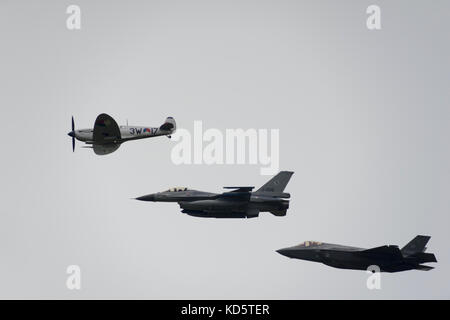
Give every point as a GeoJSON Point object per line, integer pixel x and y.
{"type": "Point", "coordinates": [241, 202]}
{"type": "Point", "coordinates": [106, 136]}
{"type": "Point", "coordinates": [387, 258]}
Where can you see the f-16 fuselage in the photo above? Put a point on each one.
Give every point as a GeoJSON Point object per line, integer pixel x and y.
{"type": "Point", "coordinates": [239, 203]}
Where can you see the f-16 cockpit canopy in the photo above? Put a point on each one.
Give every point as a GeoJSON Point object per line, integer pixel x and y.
{"type": "Point", "coordinates": [177, 189]}
{"type": "Point", "coordinates": [310, 243]}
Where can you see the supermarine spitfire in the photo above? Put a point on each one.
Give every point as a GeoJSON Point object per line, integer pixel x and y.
{"type": "Point", "coordinates": [241, 202]}
{"type": "Point", "coordinates": [106, 136]}
{"type": "Point", "coordinates": [387, 258]}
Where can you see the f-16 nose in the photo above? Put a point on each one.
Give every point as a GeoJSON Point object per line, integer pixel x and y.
{"type": "Point", "coordinates": [71, 134]}
{"type": "Point", "coordinates": [149, 197]}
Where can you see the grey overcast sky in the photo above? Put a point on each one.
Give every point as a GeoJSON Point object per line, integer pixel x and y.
{"type": "Point", "coordinates": [363, 118]}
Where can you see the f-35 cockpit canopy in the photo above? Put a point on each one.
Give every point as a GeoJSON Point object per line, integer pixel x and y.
{"type": "Point", "coordinates": [310, 243]}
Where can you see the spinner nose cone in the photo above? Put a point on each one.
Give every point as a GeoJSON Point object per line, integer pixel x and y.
{"type": "Point", "coordinates": [71, 134]}
{"type": "Point", "coordinates": [149, 197]}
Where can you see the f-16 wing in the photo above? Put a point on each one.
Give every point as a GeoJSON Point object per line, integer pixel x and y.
{"type": "Point", "coordinates": [238, 193]}
{"type": "Point", "coordinates": [240, 189]}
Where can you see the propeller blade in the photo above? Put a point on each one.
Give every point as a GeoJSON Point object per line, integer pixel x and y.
{"type": "Point", "coordinates": [73, 136]}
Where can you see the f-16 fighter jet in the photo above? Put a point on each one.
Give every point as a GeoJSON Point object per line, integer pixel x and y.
{"type": "Point", "coordinates": [241, 202]}
{"type": "Point", "coordinates": [387, 258]}
{"type": "Point", "coordinates": [106, 136]}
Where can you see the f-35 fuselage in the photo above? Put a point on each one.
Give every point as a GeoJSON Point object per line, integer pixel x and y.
{"type": "Point", "coordinates": [387, 258]}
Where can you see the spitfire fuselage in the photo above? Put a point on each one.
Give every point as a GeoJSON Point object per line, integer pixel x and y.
{"type": "Point", "coordinates": [106, 136]}
{"type": "Point", "coordinates": [126, 133]}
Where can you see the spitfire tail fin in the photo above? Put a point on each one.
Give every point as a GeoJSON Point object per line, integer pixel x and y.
{"type": "Point", "coordinates": [416, 245]}
{"type": "Point", "coordinates": [169, 125]}
{"type": "Point", "coordinates": [277, 183]}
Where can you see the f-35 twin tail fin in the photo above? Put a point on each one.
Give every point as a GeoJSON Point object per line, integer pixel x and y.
{"type": "Point", "coordinates": [415, 249]}
{"type": "Point", "coordinates": [416, 245]}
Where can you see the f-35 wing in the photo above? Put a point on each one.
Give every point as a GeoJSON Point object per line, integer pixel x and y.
{"type": "Point", "coordinates": [424, 267]}
{"type": "Point", "coordinates": [106, 130]}
{"type": "Point", "coordinates": [391, 251]}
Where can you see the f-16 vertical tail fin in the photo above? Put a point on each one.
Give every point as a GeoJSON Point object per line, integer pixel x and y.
{"type": "Point", "coordinates": [277, 183]}
{"type": "Point", "coordinates": [416, 245]}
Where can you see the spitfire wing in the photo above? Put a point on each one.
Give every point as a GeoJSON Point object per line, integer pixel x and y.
{"type": "Point", "coordinates": [102, 149]}
{"type": "Point", "coordinates": [106, 130]}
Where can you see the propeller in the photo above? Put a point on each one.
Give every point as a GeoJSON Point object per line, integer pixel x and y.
{"type": "Point", "coordinates": [73, 135]}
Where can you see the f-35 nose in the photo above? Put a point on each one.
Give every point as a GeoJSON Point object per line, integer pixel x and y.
{"type": "Point", "coordinates": [149, 197]}
{"type": "Point", "coordinates": [287, 252]}
{"type": "Point", "coordinates": [71, 134]}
